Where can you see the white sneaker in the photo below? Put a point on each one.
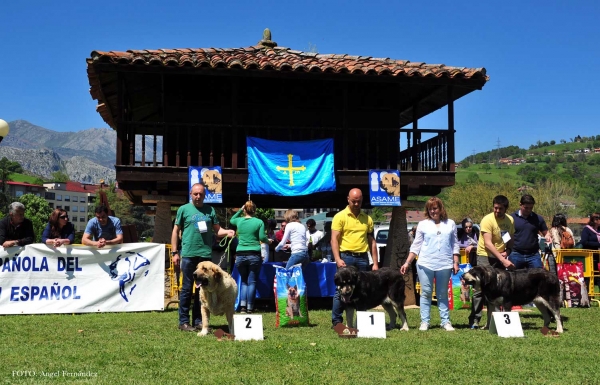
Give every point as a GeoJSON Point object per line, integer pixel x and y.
{"type": "Point", "coordinates": [424, 326]}
{"type": "Point", "coordinates": [448, 327]}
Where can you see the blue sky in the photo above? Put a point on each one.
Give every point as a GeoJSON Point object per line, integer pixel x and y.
{"type": "Point", "coordinates": [543, 57]}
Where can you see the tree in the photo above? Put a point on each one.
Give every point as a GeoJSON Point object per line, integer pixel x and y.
{"type": "Point", "coordinates": [60, 176]}
{"type": "Point", "coordinates": [475, 200]}
{"type": "Point", "coordinates": [473, 178]}
{"type": "Point", "coordinates": [377, 214]}
{"type": "Point", "coordinates": [486, 167]}
{"type": "Point", "coordinates": [10, 166]}
{"type": "Point", "coordinates": [552, 142]}
{"type": "Point", "coordinates": [38, 211]}
{"type": "Point", "coordinates": [550, 194]}
{"type": "Point", "coordinates": [265, 214]}
{"type": "Point", "coordinates": [5, 198]}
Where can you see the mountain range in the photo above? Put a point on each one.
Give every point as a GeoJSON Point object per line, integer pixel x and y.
{"type": "Point", "coordinates": [85, 156]}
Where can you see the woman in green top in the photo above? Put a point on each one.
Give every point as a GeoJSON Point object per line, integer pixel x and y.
{"type": "Point", "coordinates": [251, 231]}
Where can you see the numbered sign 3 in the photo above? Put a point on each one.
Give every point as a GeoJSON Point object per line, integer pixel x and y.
{"type": "Point", "coordinates": [248, 327]}
{"type": "Point", "coordinates": [370, 324]}
{"type": "Point", "coordinates": [506, 324]}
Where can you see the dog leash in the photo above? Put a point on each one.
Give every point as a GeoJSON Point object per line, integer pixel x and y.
{"type": "Point", "coordinates": [225, 242]}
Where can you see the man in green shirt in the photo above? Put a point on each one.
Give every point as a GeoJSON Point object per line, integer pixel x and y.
{"type": "Point", "coordinates": [197, 222]}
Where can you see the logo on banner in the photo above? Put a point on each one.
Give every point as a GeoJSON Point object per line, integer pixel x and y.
{"type": "Point", "coordinates": [212, 179]}
{"type": "Point", "coordinates": [290, 168]}
{"type": "Point", "coordinates": [127, 271]}
{"type": "Point", "coordinates": [384, 187]}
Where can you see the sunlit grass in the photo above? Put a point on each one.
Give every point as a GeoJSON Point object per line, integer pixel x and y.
{"type": "Point", "coordinates": [147, 348]}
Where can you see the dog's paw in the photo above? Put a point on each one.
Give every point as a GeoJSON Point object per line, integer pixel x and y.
{"type": "Point", "coordinates": [203, 332]}
{"type": "Point", "coordinates": [404, 327]}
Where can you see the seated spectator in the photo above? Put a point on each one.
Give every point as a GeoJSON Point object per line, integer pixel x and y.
{"type": "Point", "coordinates": [59, 231]}
{"type": "Point", "coordinates": [103, 230]}
{"type": "Point", "coordinates": [468, 241]}
{"type": "Point", "coordinates": [279, 233]}
{"type": "Point", "coordinates": [324, 244]}
{"type": "Point", "coordinates": [313, 236]}
{"type": "Point", "coordinates": [590, 236]}
{"type": "Point", "coordinates": [15, 229]}
{"type": "Point", "coordinates": [559, 225]}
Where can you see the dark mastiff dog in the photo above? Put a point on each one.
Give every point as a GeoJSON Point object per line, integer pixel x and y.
{"type": "Point", "coordinates": [518, 287]}
{"type": "Point", "coordinates": [364, 290]}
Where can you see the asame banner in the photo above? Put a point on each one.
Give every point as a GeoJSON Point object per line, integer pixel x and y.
{"type": "Point", "coordinates": [211, 178]}
{"type": "Point", "coordinates": [37, 279]}
{"type": "Point", "coordinates": [384, 187]}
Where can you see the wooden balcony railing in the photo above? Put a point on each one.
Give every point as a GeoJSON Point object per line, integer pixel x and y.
{"type": "Point", "coordinates": [434, 154]}
{"type": "Point", "coordinates": [183, 145]}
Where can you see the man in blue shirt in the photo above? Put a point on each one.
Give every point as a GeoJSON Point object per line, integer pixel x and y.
{"type": "Point", "coordinates": [102, 230]}
{"type": "Point", "coordinates": [526, 247]}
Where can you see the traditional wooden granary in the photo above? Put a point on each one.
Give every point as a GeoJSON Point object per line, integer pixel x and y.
{"type": "Point", "coordinates": [191, 107]}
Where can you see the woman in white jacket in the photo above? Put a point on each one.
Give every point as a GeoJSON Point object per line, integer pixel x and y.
{"type": "Point", "coordinates": [436, 245]}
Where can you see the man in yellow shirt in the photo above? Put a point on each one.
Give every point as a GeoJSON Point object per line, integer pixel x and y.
{"type": "Point", "coordinates": [493, 248]}
{"type": "Point", "coordinates": [351, 239]}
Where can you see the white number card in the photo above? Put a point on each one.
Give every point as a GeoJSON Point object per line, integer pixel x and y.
{"type": "Point", "coordinates": [506, 324]}
{"type": "Point", "coordinates": [370, 324]}
{"type": "Point", "coordinates": [248, 327]}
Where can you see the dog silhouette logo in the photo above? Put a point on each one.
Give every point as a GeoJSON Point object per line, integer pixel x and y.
{"type": "Point", "coordinates": [128, 271]}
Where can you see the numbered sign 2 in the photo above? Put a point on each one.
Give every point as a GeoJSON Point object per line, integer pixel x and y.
{"type": "Point", "coordinates": [506, 324]}
{"type": "Point", "coordinates": [370, 324]}
{"type": "Point", "coordinates": [248, 327]}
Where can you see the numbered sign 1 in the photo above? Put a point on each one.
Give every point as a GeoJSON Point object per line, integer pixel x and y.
{"type": "Point", "coordinates": [506, 324]}
{"type": "Point", "coordinates": [248, 327]}
{"type": "Point", "coordinates": [370, 324]}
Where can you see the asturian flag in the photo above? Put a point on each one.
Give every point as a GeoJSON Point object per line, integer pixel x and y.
{"type": "Point", "coordinates": [290, 168]}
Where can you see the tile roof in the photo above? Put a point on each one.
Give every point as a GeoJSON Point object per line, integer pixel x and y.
{"type": "Point", "coordinates": [81, 187]}
{"type": "Point", "coordinates": [23, 184]}
{"type": "Point", "coordinates": [260, 57]}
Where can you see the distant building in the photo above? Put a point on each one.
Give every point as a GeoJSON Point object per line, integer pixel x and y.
{"type": "Point", "coordinates": [77, 199]}
{"type": "Point", "coordinates": [18, 189]}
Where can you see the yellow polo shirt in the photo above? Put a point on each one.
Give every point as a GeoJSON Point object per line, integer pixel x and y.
{"type": "Point", "coordinates": [353, 230]}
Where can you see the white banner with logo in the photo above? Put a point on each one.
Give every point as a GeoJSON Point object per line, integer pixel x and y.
{"type": "Point", "coordinates": [37, 279]}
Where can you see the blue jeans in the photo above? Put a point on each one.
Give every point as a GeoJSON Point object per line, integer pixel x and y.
{"type": "Point", "coordinates": [188, 266]}
{"type": "Point", "coordinates": [426, 277]}
{"type": "Point", "coordinates": [296, 258]}
{"type": "Point", "coordinates": [526, 261]}
{"type": "Point", "coordinates": [249, 268]}
{"type": "Point", "coordinates": [338, 306]}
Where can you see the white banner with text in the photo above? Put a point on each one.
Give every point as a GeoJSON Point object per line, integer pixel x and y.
{"type": "Point", "coordinates": [37, 279]}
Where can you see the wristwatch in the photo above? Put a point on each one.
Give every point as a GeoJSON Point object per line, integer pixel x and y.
{"type": "Point", "coordinates": [174, 252]}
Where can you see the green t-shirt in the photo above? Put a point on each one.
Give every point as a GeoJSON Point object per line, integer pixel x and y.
{"type": "Point", "coordinates": [193, 242]}
{"type": "Point", "coordinates": [250, 231]}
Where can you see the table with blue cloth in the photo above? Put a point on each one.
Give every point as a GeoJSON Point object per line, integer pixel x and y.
{"type": "Point", "coordinates": [318, 277]}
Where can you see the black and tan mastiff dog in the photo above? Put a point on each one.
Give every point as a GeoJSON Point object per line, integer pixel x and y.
{"type": "Point", "coordinates": [518, 287]}
{"type": "Point", "coordinates": [364, 290]}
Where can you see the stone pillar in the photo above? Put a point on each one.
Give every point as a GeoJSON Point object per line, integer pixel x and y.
{"type": "Point", "coordinates": [163, 224]}
{"type": "Point", "coordinates": [397, 249]}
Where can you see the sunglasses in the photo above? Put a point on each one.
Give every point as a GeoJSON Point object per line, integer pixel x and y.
{"type": "Point", "coordinates": [64, 217]}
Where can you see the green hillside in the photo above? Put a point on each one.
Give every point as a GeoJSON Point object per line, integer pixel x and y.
{"type": "Point", "coordinates": [545, 162]}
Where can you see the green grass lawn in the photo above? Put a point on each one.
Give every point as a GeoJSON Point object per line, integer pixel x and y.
{"type": "Point", "coordinates": [147, 348]}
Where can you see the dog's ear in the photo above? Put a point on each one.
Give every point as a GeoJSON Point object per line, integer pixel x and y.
{"type": "Point", "coordinates": [218, 275]}
{"type": "Point", "coordinates": [296, 287]}
{"type": "Point", "coordinates": [288, 285]}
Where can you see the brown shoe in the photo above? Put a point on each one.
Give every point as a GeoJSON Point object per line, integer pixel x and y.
{"type": "Point", "coordinates": [187, 328]}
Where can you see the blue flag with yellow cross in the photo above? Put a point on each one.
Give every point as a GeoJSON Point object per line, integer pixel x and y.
{"type": "Point", "coordinates": [290, 168]}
